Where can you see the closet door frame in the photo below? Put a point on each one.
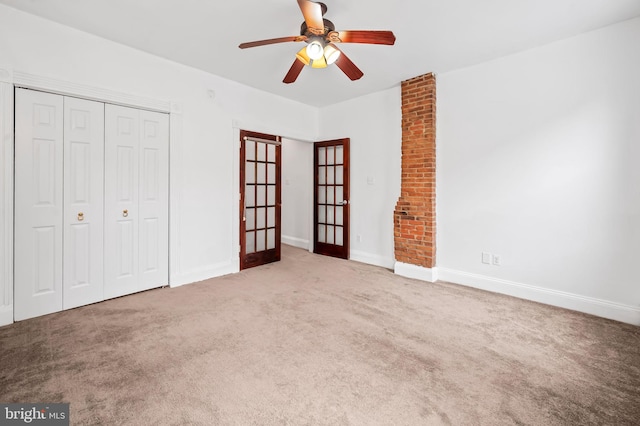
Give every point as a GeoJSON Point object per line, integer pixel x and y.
{"type": "Point", "coordinates": [9, 80]}
{"type": "Point", "coordinates": [6, 201]}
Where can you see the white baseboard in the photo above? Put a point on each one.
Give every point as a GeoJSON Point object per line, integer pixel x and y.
{"type": "Point", "coordinates": [212, 271]}
{"type": "Point", "coordinates": [296, 242]}
{"type": "Point", "coordinates": [416, 272]}
{"type": "Point", "coordinates": [6, 315]}
{"type": "Point", "coordinates": [371, 259]}
{"type": "Point", "coordinates": [589, 305]}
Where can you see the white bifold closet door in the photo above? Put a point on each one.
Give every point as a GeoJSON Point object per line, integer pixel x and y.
{"type": "Point", "coordinates": [59, 161]}
{"type": "Point", "coordinates": [83, 231]}
{"type": "Point", "coordinates": [136, 200]}
{"type": "Point", "coordinates": [38, 204]}
{"type": "Point", "coordinates": [91, 202]}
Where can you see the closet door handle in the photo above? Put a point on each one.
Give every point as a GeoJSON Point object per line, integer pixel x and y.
{"type": "Point", "coordinates": [80, 217]}
{"type": "Point", "coordinates": [125, 213]}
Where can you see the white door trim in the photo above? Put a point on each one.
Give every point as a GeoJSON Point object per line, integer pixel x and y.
{"type": "Point", "coordinates": [10, 78]}
{"type": "Point", "coordinates": [6, 203]}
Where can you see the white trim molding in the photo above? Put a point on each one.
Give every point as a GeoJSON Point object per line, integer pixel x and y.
{"type": "Point", "coordinates": [201, 274]}
{"type": "Point", "coordinates": [589, 305]}
{"type": "Point", "coordinates": [61, 87]}
{"type": "Point", "coordinates": [416, 272]}
{"type": "Point", "coordinates": [296, 242]}
{"type": "Point", "coordinates": [371, 259]}
{"type": "Point", "coordinates": [6, 75]}
{"type": "Point", "coordinates": [6, 203]}
{"type": "Point", "coordinates": [175, 194]}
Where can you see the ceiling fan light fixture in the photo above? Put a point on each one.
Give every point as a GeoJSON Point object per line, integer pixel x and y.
{"type": "Point", "coordinates": [315, 50]}
{"type": "Point", "coordinates": [303, 56]}
{"type": "Point", "coordinates": [331, 54]}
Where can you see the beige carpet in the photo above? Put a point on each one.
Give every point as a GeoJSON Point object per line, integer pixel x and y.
{"type": "Point", "coordinates": [315, 340]}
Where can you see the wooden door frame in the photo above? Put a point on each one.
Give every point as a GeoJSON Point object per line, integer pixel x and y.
{"type": "Point", "coordinates": [252, 262]}
{"type": "Point", "coordinates": [346, 194]}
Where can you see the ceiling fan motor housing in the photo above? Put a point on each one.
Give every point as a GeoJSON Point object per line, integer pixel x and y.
{"type": "Point", "coordinates": [328, 28]}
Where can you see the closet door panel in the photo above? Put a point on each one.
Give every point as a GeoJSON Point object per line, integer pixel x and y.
{"type": "Point", "coordinates": [84, 202]}
{"type": "Point", "coordinates": [154, 200]}
{"type": "Point", "coordinates": [38, 251]}
{"type": "Point", "coordinates": [122, 143]}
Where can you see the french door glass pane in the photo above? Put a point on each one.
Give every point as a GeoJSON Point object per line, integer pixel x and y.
{"type": "Point", "coordinates": [260, 218]}
{"type": "Point", "coordinates": [330, 155]}
{"type": "Point", "coordinates": [271, 195]}
{"type": "Point", "coordinates": [271, 173]}
{"type": "Point", "coordinates": [339, 155]}
{"type": "Point", "coordinates": [271, 217]}
{"type": "Point", "coordinates": [330, 239]}
{"type": "Point", "coordinates": [330, 195]}
{"type": "Point", "coordinates": [322, 195]}
{"type": "Point", "coordinates": [262, 196]}
{"type": "Point", "coordinates": [251, 218]}
{"type": "Point", "coordinates": [271, 152]}
{"type": "Point", "coordinates": [262, 171]}
{"type": "Point", "coordinates": [250, 150]}
{"type": "Point", "coordinates": [339, 215]}
{"type": "Point", "coordinates": [339, 236]}
{"type": "Point", "coordinates": [271, 239]}
{"type": "Point", "coordinates": [262, 152]}
{"type": "Point", "coordinates": [340, 175]}
{"type": "Point", "coordinates": [330, 215]}
{"type": "Point", "coordinates": [322, 214]}
{"type": "Point", "coordinates": [339, 194]}
{"type": "Point", "coordinates": [250, 196]}
{"type": "Point", "coordinates": [322, 234]}
{"type": "Point", "coordinates": [250, 173]}
{"type": "Point", "coordinates": [330, 175]}
{"type": "Point", "coordinates": [260, 242]}
{"type": "Point", "coordinates": [322, 175]}
{"type": "Point", "coordinates": [322, 152]}
{"type": "Point", "coordinates": [251, 242]}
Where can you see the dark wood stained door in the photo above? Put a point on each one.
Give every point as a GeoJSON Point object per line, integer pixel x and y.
{"type": "Point", "coordinates": [331, 198]}
{"type": "Point", "coordinates": [260, 199]}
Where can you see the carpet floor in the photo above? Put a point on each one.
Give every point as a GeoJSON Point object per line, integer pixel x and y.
{"type": "Point", "coordinates": [315, 340]}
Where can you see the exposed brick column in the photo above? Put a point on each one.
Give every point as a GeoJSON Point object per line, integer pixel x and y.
{"type": "Point", "coordinates": [415, 213]}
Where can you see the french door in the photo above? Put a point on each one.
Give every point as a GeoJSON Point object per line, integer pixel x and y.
{"type": "Point", "coordinates": [331, 198]}
{"type": "Point", "coordinates": [260, 199]}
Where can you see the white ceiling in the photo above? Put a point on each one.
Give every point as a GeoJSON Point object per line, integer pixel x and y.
{"type": "Point", "coordinates": [432, 35]}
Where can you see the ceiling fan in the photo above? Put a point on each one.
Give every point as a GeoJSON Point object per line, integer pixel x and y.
{"type": "Point", "coordinates": [321, 36]}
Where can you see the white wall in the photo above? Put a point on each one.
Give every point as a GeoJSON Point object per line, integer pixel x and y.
{"type": "Point", "coordinates": [538, 162]}
{"type": "Point", "coordinates": [204, 179]}
{"type": "Point", "coordinates": [297, 193]}
{"type": "Point", "coordinates": [373, 123]}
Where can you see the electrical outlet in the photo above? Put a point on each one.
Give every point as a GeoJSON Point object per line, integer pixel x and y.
{"type": "Point", "coordinates": [496, 260]}
{"type": "Point", "coordinates": [486, 258]}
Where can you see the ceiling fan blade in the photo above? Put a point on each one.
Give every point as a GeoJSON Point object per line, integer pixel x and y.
{"type": "Point", "coordinates": [348, 67]}
{"type": "Point", "coordinates": [294, 72]}
{"type": "Point", "coordinates": [271, 41]}
{"type": "Point", "coordinates": [365, 37]}
{"type": "Point", "coordinates": [312, 13]}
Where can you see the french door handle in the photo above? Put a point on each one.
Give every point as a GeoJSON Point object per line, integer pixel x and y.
{"type": "Point", "coordinates": [344, 202]}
